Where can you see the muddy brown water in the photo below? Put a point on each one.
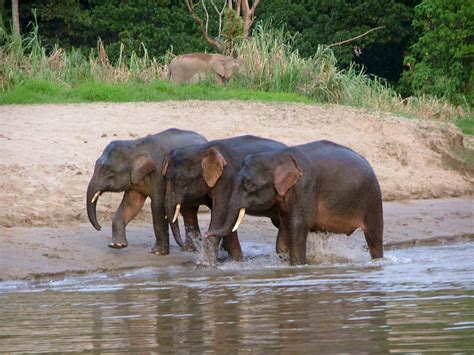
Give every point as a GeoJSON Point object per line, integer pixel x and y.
{"type": "Point", "coordinates": [416, 300]}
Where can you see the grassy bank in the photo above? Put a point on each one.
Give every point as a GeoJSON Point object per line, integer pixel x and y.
{"type": "Point", "coordinates": [275, 72]}
{"type": "Point", "coordinates": [466, 124]}
{"type": "Point", "coordinates": [43, 91]}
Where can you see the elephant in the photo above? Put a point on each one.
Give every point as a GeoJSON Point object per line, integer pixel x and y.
{"type": "Point", "coordinates": [133, 167]}
{"type": "Point", "coordinates": [193, 67]}
{"type": "Point", "coordinates": [319, 186]}
{"type": "Point", "coordinates": [203, 174]}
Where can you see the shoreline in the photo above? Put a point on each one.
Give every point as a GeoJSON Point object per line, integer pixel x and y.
{"type": "Point", "coordinates": [48, 154]}
{"type": "Point", "coordinates": [45, 252]}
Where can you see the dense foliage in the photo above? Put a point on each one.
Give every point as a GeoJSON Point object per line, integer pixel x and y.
{"type": "Point", "coordinates": [441, 61]}
{"type": "Point", "coordinates": [164, 24]}
{"type": "Point", "coordinates": [331, 21]}
{"type": "Point", "coordinates": [159, 25]}
{"type": "Point", "coordinates": [427, 42]}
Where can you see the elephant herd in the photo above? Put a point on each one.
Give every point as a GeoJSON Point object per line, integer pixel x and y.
{"type": "Point", "coordinates": [318, 186]}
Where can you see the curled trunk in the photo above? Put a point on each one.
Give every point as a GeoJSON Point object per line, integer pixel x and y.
{"type": "Point", "coordinates": [169, 211]}
{"type": "Point", "coordinates": [176, 233]}
{"type": "Point", "coordinates": [91, 205]}
{"type": "Point", "coordinates": [228, 225]}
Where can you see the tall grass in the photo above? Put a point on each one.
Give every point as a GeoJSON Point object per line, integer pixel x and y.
{"type": "Point", "coordinates": [273, 65]}
{"type": "Point", "coordinates": [25, 58]}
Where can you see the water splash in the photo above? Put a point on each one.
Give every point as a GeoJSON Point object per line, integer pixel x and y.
{"type": "Point", "coordinates": [321, 248]}
{"type": "Point", "coordinates": [324, 248]}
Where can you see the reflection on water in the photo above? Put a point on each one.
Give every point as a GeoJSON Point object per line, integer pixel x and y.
{"type": "Point", "coordinates": [421, 299]}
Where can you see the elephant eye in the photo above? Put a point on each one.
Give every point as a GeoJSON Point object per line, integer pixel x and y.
{"type": "Point", "coordinates": [249, 185]}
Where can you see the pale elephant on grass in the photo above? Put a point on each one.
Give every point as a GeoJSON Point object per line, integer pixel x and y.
{"type": "Point", "coordinates": [192, 67]}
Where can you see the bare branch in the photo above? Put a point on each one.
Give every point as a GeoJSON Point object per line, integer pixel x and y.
{"type": "Point", "coordinates": [220, 13]}
{"type": "Point", "coordinates": [248, 14]}
{"type": "Point", "coordinates": [203, 26]}
{"type": "Point", "coordinates": [239, 7]}
{"type": "Point", "coordinates": [356, 37]}
{"type": "Point", "coordinates": [207, 15]}
{"type": "Point", "coordinates": [254, 6]}
{"type": "Point", "coordinates": [242, 11]}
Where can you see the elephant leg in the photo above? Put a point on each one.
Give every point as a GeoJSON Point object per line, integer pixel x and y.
{"type": "Point", "coordinates": [210, 246]}
{"type": "Point", "coordinates": [218, 217]}
{"type": "Point", "coordinates": [232, 245]}
{"type": "Point", "coordinates": [373, 233]}
{"type": "Point", "coordinates": [131, 205]}
{"type": "Point", "coordinates": [191, 226]}
{"type": "Point", "coordinates": [199, 76]}
{"type": "Point", "coordinates": [283, 238]}
{"type": "Point", "coordinates": [298, 235]}
{"type": "Point", "coordinates": [160, 226]}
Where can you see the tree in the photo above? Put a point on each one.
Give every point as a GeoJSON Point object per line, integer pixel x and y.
{"type": "Point", "coordinates": [441, 61]}
{"type": "Point", "coordinates": [16, 17]}
{"type": "Point", "coordinates": [332, 21]}
{"type": "Point", "coordinates": [159, 25]}
{"type": "Point", "coordinates": [234, 19]}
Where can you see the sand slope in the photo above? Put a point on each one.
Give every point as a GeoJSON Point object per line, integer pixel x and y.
{"type": "Point", "coordinates": [47, 152]}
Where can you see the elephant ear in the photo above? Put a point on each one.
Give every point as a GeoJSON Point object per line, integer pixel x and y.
{"type": "Point", "coordinates": [287, 174]}
{"type": "Point", "coordinates": [213, 165]}
{"type": "Point", "coordinates": [220, 68]}
{"type": "Point", "coordinates": [166, 162]}
{"type": "Point", "coordinates": [142, 166]}
{"type": "Point", "coordinates": [230, 66]}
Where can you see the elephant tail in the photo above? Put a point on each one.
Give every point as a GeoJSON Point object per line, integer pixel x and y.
{"type": "Point", "coordinates": [168, 74]}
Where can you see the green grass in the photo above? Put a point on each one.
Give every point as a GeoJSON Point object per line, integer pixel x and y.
{"type": "Point", "coordinates": [43, 91]}
{"type": "Point", "coordinates": [274, 72]}
{"type": "Point", "coordinates": [466, 125]}
{"type": "Point", "coordinates": [33, 91]}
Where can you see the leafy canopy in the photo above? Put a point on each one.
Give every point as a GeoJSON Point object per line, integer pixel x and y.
{"type": "Point", "coordinates": [441, 61]}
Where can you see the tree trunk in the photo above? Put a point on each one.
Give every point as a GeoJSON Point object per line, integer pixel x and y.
{"type": "Point", "coordinates": [16, 17]}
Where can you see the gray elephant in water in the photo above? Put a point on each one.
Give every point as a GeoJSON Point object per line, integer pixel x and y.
{"type": "Point", "coordinates": [320, 187]}
{"type": "Point", "coordinates": [192, 67]}
{"type": "Point", "coordinates": [133, 167]}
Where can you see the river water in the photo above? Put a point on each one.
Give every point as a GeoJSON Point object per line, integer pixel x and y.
{"type": "Point", "coordinates": [416, 300]}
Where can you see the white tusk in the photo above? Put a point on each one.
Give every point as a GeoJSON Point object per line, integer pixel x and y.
{"type": "Point", "coordinates": [96, 196]}
{"type": "Point", "coordinates": [239, 219]}
{"type": "Point", "coordinates": [176, 212]}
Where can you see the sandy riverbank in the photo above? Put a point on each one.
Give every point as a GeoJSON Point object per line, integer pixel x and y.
{"type": "Point", "coordinates": [48, 152]}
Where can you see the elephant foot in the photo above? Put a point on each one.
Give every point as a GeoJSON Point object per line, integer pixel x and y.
{"type": "Point", "coordinates": [159, 250]}
{"type": "Point", "coordinates": [237, 256]}
{"type": "Point", "coordinates": [189, 247]}
{"type": "Point", "coordinates": [117, 245]}
{"type": "Point", "coordinates": [206, 263]}
{"type": "Point", "coordinates": [284, 256]}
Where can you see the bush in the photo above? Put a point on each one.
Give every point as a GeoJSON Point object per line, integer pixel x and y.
{"type": "Point", "coordinates": [272, 64]}
{"type": "Point", "coordinates": [441, 62]}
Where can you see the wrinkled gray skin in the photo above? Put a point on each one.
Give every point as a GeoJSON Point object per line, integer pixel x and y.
{"type": "Point", "coordinates": [133, 167]}
{"type": "Point", "coordinates": [192, 67]}
{"type": "Point", "coordinates": [320, 186]}
{"type": "Point", "coordinates": [203, 174]}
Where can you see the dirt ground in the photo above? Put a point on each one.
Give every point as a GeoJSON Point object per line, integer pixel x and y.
{"type": "Point", "coordinates": [47, 155]}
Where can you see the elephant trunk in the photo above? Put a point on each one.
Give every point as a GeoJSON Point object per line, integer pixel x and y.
{"type": "Point", "coordinates": [177, 234]}
{"type": "Point", "coordinates": [233, 219]}
{"type": "Point", "coordinates": [92, 197]}
{"type": "Point", "coordinates": [170, 211]}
